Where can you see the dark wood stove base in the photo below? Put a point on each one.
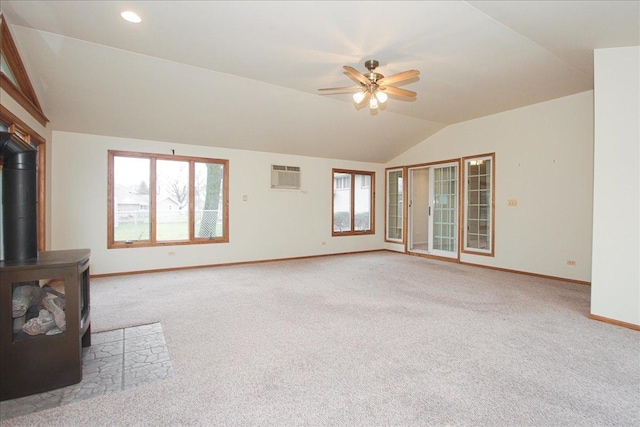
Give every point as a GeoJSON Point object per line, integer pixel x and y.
{"type": "Point", "coordinates": [34, 364]}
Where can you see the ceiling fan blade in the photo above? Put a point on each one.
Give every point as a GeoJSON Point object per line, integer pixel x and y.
{"type": "Point", "coordinates": [357, 75]}
{"type": "Point", "coordinates": [342, 88]}
{"type": "Point", "coordinates": [398, 77]}
{"type": "Point", "coordinates": [398, 92]}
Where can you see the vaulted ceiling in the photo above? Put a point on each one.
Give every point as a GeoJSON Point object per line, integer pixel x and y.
{"type": "Point", "coordinates": [246, 74]}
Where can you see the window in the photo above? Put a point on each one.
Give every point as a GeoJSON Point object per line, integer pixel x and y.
{"type": "Point", "coordinates": [157, 200]}
{"type": "Point", "coordinates": [394, 204]}
{"type": "Point", "coordinates": [343, 182]}
{"type": "Point", "coordinates": [479, 204]}
{"type": "Point", "coordinates": [13, 76]}
{"type": "Point", "coordinates": [353, 205]}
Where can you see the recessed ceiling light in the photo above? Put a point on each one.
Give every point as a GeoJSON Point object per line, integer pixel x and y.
{"type": "Point", "coordinates": [130, 16]}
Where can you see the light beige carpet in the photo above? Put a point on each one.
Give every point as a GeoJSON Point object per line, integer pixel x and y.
{"type": "Point", "coordinates": [365, 340]}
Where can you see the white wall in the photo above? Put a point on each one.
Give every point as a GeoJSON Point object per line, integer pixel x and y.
{"type": "Point", "coordinates": [271, 224]}
{"type": "Point", "coordinates": [615, 290]}
{"type": "Point", "coordinates": [544, 160]}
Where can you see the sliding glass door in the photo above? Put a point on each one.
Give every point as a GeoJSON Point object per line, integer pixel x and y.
{"type": "Point", "coordinates": [433, 210]}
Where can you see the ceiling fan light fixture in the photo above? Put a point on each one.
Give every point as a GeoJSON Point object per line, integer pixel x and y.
{"type": "Point", "coordinates": [358, 97]}
{"type": "Point", "coordinates": [374, 87]}
{"type": "Point", "coordinates": [131, 16]}
{"type": "Point", "coordinates": [381, 96]}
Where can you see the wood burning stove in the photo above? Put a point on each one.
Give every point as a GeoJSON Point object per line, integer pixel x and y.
{"type": "Point", "coordinates": [40, 347]}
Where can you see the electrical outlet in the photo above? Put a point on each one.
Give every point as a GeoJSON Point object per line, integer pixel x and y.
{"type": "Point", "coordinates": [172, 253]}
{"type": "Point", "coordinates": [512, 202]}
{"type": "Point", "coordinates": [323, 243]}
{"type": "Point", "coordinates": [571, 262]}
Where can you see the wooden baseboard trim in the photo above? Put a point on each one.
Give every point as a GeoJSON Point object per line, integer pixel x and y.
{"type": "Point", "coordinates": [526, 273]}
{"type": "Point", "coordinates": [615, 322]}
{"type": "Point", "coordinates": [227, 264]}
{"type": "Point", "coordinates": [439, 258]}
{"type": "Point", "coordinates": [453, 260]}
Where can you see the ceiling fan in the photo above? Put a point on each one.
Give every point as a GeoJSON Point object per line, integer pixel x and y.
{"type": "Point", "coordinates": [374, 87]}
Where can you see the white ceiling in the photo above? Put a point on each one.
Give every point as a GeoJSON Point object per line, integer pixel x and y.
{"type": "Point", "coordinates": [246, 74]}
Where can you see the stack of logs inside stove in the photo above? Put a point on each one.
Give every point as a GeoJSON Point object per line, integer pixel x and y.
{"type": "Point", "coordinates": [38, 310]}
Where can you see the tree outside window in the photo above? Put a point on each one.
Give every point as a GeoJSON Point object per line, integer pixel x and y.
{"type": "Point", "coordinates": [156, 200]}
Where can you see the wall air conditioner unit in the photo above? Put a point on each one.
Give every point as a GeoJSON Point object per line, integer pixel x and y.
{"type": "Point", "coordinates": [287, 177]}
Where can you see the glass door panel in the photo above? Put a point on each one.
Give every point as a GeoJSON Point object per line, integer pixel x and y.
{"type": "Point", "coordinates": [444, 240]}
{"type": "Point", "coordinates": [478, 214]}
{"type": "Point", "coordinates": [394, 205]}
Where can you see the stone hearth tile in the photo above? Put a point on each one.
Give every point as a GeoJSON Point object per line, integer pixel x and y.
{"type": "Point", "coordinates": [109, 336]}
{"type": "Point", "coordinates": [145, 357]}
{"type": "Point", "coordinates": [101, 365]}
{"type": "Point", "coordinates": [146, 374]}
{"type": "Point", "coordinates": [144, 341]}
{"type": "Point", "coordinates": [103, 350]}
{"type": "Point", "coordinates": [115, 361]}
{"type": "Point", "coordinates": [92, 386]}
{"type": "Point", "coordinates": [137, 331]}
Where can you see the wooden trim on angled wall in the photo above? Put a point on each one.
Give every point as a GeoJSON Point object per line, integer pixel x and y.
{"type": "Point", "coordinates": [24, 94]}
{"type": "Point", "coordinates": [614, 322]}
{"type": "Point", "coordinates": [24, 102]}
{"type": "Point", "coordinates": [10, 118]}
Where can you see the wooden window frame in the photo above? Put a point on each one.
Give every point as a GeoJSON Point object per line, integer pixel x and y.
{"type": "Point", "coordinates": [352, 188]}
{"type": "Point", "coordinates": [23, 94]}
{"type": "Point", "coordinates": [22, 130]}
{"type": "Point", "coordinates": [113, 244]}
{"type": "Point", "coordinates": [463, 222]}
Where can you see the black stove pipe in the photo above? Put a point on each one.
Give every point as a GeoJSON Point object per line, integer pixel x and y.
{"type": "Point", "coordinates": [19, 198]}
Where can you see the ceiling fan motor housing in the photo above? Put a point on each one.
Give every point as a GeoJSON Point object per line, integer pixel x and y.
{"type": "Point", "coordinates": [371, 65]}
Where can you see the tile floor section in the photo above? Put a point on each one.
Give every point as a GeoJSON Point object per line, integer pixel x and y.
{"type": "Point", "coordinates": [117, 360]}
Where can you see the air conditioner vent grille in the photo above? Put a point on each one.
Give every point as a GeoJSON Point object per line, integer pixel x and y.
{"type": "Point", "coordinates": [287, 177]}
